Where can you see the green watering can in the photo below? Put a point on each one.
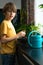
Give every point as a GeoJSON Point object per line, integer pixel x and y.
{"type": "Point", "coordinates": [35, 39]}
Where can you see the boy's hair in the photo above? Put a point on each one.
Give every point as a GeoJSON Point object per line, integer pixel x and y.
{"type": "Point", "coordinates": [9, 7]}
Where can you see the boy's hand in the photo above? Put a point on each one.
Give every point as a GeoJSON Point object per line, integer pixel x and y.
{"type": "Point", "coordinates": [21, 34]}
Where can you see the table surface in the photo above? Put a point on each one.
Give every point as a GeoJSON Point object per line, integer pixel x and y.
{"type": "Point", "coordinates": [35, 53]}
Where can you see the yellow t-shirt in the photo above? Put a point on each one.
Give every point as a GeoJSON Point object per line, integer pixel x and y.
{"type": "Point", "coordinates": [0, 45]}
{"type": "Point", "coordinates": [8, 29]}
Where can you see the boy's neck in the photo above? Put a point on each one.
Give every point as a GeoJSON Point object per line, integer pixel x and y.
{"type": "Point", "coordinates": [7, 19]}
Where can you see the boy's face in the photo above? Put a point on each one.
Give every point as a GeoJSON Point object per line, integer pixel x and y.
{"type": "Point", "coordinates": [10, 15]}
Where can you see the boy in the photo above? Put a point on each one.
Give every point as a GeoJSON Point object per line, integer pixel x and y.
{"type": "Point", "coordinates": [8, 35]}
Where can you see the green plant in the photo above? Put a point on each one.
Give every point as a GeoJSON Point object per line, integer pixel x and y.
{"type": "Point", "coordinates": [28, 28]}
{"type": "Point", "coordinates": [41, 6]}
{"type": "Point", "coordinates": [22, 27]}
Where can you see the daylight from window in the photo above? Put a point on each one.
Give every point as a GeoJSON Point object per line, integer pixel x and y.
{"type": "Point", "coordinates": [38, 14]}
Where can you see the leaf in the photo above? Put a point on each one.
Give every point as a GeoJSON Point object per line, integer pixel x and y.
{"type": "Point", "coordinates": [41, 5]}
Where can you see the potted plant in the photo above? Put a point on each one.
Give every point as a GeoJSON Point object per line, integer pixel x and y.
{"type": "Point", "coordinates": [28, 28]}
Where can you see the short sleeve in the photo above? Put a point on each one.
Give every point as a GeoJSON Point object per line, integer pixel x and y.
{"type": "Point", "coordinates": [3, 28]}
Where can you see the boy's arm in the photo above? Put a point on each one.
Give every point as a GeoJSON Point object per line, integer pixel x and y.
{"type": "Point", "coordinates": [5, 39]}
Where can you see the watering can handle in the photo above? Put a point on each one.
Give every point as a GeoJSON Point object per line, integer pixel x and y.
{"type": "Point", "coordinates": [30, 35]}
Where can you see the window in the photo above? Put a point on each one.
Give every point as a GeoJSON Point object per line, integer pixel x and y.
{"type": "Point", "coordinates": [38, 14]}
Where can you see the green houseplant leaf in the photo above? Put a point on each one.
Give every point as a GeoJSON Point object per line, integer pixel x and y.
{"type": "Point", "coordinates": [41, 6]}
{"type": "Point", "coordinates": [28, 28]}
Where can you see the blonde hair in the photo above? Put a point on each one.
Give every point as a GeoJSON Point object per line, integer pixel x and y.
{"type": "Point", "coordinates": [9, 7]}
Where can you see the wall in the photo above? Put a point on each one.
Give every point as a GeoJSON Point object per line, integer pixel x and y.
{"type": "Point", "coordinates": [17, 2]}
